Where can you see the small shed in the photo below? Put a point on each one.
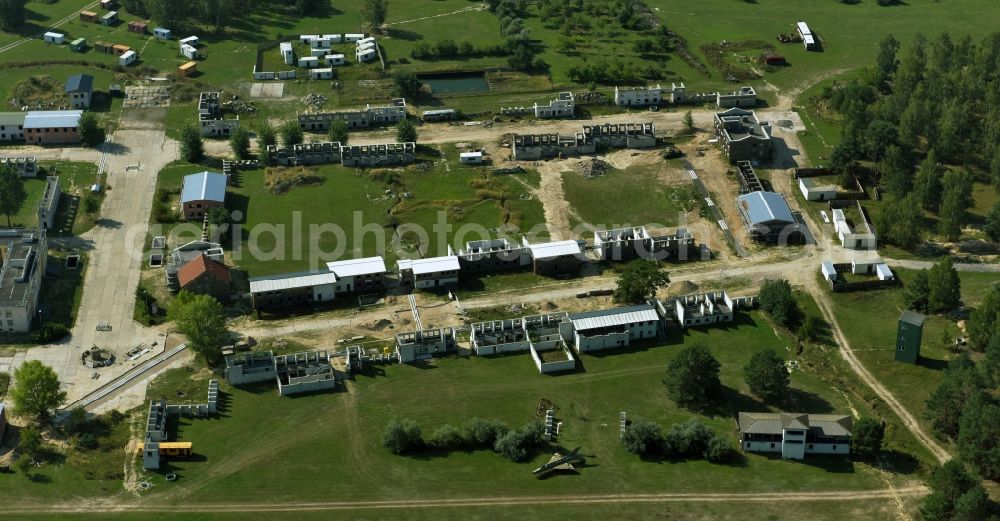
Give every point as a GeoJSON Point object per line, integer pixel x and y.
{"type": "Point", "coordinates": [162, 33]}
{"type": "Point", "coordinates": [187, 69]}
{"type": "Point", "coordinates": [775, 59]}
{"type": "Point", "coordinates": [287, 53]}
{"type": "Point", "coordinates": [309, 62]}
{"type": "Point", "coordinates": [127, 58]}
{"type": "Point", "coordinates": [306, 38]}
{"type": "Point", "coordinates": [51, 37]}
{"type": "Point", "coordinates": [321, 74]}
{"type": "Point", "coordinates": [89, 16]}
{"type": "Point", "coordinates": [120, 49]}
{"type": "Point", "coordinates": [110, 18]}
{"type": "Point", "coordinates": [319, 53]}
{"type": "Point", "coordinates": [103, 46]}
{"type": "Point", "coordinates": [367, 55]}
{"type": "Point", "coordinates": [320, 43]}
{"type": "Point", "coordinates": [829, 272]}
{"type": "Point", "coordinates": [189, 52]}
{"type": "Point", "coordinates": [138, 27]}
{"type": "Point", "coordinates": [78, 45]}
{"type": "Point", "coordinates": [471, 158]}
{"type": "Point", "coordinates": [115, 90]}
{"type": "Point", "coordinates": [353, 37]}
{"type": "Point", "coordinates": [108, 5]}
{"type": "Point", "coordinates": [190, 40]}
{"type": "Point", "coordinates": [334, 59]}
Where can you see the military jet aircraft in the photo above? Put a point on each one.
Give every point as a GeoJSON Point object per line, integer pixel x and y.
{"type": "Point", "coordinates": [559, 462]}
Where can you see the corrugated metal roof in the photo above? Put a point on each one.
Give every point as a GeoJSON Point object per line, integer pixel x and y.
{"type": "Point", "coordinates": [765, 207]}
{"type": "Point", "coordinates": [12, 118]}
{"type": "Point", "coordinates": [429, 265]}
{"type": "Point", "coordinates": [204, 186]}
{"type": "Point", "coordinates": [771, 423]}
{"type": "Point", "coordinates": [52, 119]}
{"type": "Point", "coordinates": [354, 267]}
{"type": "Point", "coordinates": [613, 317]}
{"type": "Point", "coordinates": [80, 83]}
{"type": "Point", "coordinates": [291, 281]}
{"type": "Point", "coordinates": [547, 250]}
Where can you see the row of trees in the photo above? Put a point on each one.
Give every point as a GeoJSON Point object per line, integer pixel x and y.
{"type": "Point", "coordinates": [916, 117]}
{"type": "Point", "coordinates": [405, 437]}
{"type": "Point", "coordinates": [963, 408]}
{"type": "Point", "coordinates": [691, 439]}
{"type": "Point", "coordinates": [936, 290]}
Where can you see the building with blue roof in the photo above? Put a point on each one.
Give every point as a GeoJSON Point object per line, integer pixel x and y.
{"type": "Point", "coordinates": [202, 192]}
{"type": "Point", "coordinates": [768, 218]}
{"type": "Point", "coordinates": [79, 88]}
{"type": "Point", "coordinates": [52, 127]}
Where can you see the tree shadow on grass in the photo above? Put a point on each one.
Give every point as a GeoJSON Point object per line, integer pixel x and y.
{"type": "Point", "coordinates": [899, 462]}
{"type": "Point", "coordinates": [833, 464]}
{"type": "Point", "coordinates": [933, 364]}
{"type": "Point", "coordinates": [403, 34]}
{"type": "Point", "coordinates": [805, 401]}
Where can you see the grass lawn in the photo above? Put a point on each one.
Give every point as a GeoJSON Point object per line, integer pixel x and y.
{"type": "Point", "coordinates": [634, 193]}
{"type": "Point", "coordinates": [869, 320]}
{"type": "Point", "coordinates": [349, 214]}
{"type": "Point", "coordinates": [64, 286]}
{"type": "Point", "coordinates": [239, 450]}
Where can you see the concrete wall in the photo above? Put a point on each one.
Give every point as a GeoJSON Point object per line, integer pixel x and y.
{"type": "Point", "coordinates": [599, 342]}
{"type": "Point", "coordinates": [553, 367]}
{"type": "Point", "coordinates": [306, 384]}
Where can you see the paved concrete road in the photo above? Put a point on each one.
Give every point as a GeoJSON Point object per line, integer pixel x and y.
{"type": "Point", "coordinates": [115, 255]}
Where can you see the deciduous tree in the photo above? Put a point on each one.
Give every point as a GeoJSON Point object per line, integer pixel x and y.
{"type": "Point", "coordinates": [202, 320]}
{"type": "Point", "coordinates": [291, 134]}
{"type": "Point", "coordinates": [36, 391]}
{"type": "Point", "coordinates": [191, 147]}
{"type": "Point", "coordinates": [867, 437]}
{"type": "Point", "coordinates": [945, 286]}
{"type": "Point", "coordinates": [338, 132]}
{"type": "Point", "coordinates": [240, 143]}
{"type": "Point", "coordinates": [766, 375]}
{"type": "Point", "coordinates": [406, 132]}
{"type": "Point", "coordinates": [692, 377]}
{"type": "Point", "coordinates": [373, 13]}
{"type": "Point", "coordinates": [12, 193]}
{"type": "Point", "coordinates": [777, 300]}
{"type": "Point", "coordinates": [91, 132]}
{"type": "Point", "coordinates": [639, 281]}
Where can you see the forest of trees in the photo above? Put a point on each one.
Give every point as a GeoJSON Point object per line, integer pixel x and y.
{"type": "Point", "coordinates": [177, 14]}
{"type": "Point", "coordinates": [928, 119]}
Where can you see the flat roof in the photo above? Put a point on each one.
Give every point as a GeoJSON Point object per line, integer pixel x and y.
{"type": "Point", "coordinates": [204, 186]}
{"type": "Point", "coordinates": [548, 250]}
{"type": "Point", "coordinates": [912, 317]}
{"type": "Point", "coordinates": [613, 317]}
{"type": "Point", "coordinates": [291, 281]}
{"type": "Point", "coordinates": [765, 207]}
{"type": "Point", "coordinates": [19, 273]}
{"type": "Point", "coordinates": [52, 118]}
{"type": "Point", "coordinates": [354, 267]}
{"type": "Point", "coordinates": [429, 265]}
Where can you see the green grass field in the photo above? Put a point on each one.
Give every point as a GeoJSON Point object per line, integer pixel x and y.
{"type": "Point", "coordinates": [284, 228]}
{"type": "Point", "coordinates": [240, 450]}
{"type": "Point", "coordinates": [616, 199]}
{"type": "Point", "coordinates": [869, 320]}
{"type": "Point", "coordinates": [75, 179]}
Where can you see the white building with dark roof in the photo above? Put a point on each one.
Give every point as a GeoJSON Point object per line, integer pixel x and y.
{"type": "Point", "coordinates": [795, 435]}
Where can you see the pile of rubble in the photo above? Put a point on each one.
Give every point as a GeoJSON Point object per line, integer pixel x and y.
{"type": "Point", "coordinates": [314, 101]}
{"type": "Point", "coordinates": [593, 167]}
{"type": "Point", "coordinates": [590, 96]}
{"type": "Point", "coordinates": [240, 107]}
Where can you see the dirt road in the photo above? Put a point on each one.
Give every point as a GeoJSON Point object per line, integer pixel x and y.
{"type": "Point", "coordinates": [502, 501]}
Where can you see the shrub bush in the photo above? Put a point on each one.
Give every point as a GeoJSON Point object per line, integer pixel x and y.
{"type": "Point", "coordinates": [402, 436]}
{"type": "Point", "coordinates": [446, 437]}
{"type": "Point", "coordinates": [483, 434]}
{"type": "Point", "coordinates": [688, 439]}
{"type": "Point", "coordinates": [719, 450]}
{"type": "Point", "coordinates": [643, 438]}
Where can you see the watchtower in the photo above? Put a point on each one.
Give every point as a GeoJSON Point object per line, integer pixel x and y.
{"type": "Point", "coordinates": [908, 336]}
